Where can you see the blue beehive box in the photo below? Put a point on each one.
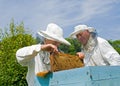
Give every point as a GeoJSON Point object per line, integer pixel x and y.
{"type": "Point", "coordinates": [85, 76]}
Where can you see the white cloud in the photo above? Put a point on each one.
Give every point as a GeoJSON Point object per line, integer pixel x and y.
{"type": "Point", "coordinates": [72, 12]}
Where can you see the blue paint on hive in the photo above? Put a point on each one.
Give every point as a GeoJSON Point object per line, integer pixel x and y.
{"type": "Point", "coordinates": [85, 76]}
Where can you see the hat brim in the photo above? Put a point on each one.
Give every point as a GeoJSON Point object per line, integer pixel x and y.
{"type": "Point", "coordinates": [73, 34]}
{"type": "Point", "coordinates": [53, 37]}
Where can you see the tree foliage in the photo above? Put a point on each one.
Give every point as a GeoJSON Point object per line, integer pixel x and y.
{"type": "Point", "coordinates": [12, 73]}
{"type": "Point", "coordinates": [116, 45]}
{"type": "Point", "coordinates": [75, 46]}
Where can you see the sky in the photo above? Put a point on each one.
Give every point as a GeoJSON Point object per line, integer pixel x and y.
{"type": "Point", "coordinates": [103, 15]}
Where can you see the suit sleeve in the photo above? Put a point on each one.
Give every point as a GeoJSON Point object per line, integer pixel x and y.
{"type": "Point", "coordinates": [109, 53]}
{"type": "Point", "coordinates": [26, 54]}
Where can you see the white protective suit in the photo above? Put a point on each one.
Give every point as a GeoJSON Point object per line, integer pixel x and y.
{"type": "Point", "coordinates": [35, 59]}
{"type": "Point", "coordinates": [98, 52]}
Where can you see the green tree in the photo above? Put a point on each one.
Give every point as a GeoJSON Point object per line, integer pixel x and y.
{"type": "Point", "coordinates": [75, 46]}
{"type": "Point", "coordinates": [116, 45]}
{"type": "Point", "coordinates": [11, 72]}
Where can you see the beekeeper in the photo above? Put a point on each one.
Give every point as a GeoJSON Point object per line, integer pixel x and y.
{"type": "Point", "coordinates": [97, 51]}
{"type": "Point", "coordinates": [36, 57]}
